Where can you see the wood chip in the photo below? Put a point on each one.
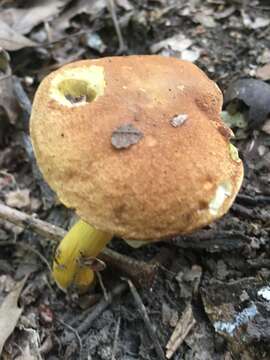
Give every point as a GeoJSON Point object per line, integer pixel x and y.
{"type": "Point", "coordinates": [182, 329]}
{"type": "Point", "coordinates": [125, 136]}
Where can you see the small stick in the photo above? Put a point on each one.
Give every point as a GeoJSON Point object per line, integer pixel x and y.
{"type": "Point", "coordinates": [185, 324]}
{"type": "Point", "coordinates": [111, 8]}
{"type": "Point", "coordinates": [116, 335]}
{"type": "Point", "coordinates": [26, 221]}
{"type": "Point", "coordinates": [138, 270]}
{"type": "Point", "coordinates": [93, 313]}
{"type": "Point", "coordinates": [253, 201]}
{"type": "Point", "coordinates": [146, 320]}
{"type": "Point", "coordinates": [101, 283]}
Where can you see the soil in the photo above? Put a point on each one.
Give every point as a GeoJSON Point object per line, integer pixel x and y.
{"type": "Point", "coordinates": [222, 271]}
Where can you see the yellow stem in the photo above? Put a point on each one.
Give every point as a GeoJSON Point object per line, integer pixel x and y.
{"type": "Point", "coordinates": [70, 266]}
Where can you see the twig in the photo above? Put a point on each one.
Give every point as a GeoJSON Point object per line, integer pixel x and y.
{"type": "Point", "coordinates": [104, 290]}
{"type": "Point", "coordinates": [111, 8]}
{"type": "Point", "coordinates": [185, 324]}
{"type": "Point", "coordinates": [253, 201]}
{"type": "Point", "coordinates": [116, 336]}
{"type": "Point", "coordinates": [146, 320]}
{"type": "Point", "coordinates": [140, 271]}
{"type": "Point", "coordinates": [92, 314]}
{"type": "Point", "coordinates": [213, 241]}
{"type": "Point", "coordinates": [26, 221]}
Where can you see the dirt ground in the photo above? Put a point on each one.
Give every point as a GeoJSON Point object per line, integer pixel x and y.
{"type": "Point", "coordinates": [212, 285]}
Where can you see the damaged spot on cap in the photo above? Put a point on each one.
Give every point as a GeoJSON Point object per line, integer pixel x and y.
{"type": "Point", "coordinates": [178, 120]}
{"type": "Point", "coordinates": [223, 191]}
{"type": "Point", "coordinates": [125, 136]}
{"type": "Point", "coordinates": [78, 86]}
{"type": "Point", "coordinates": [234, 153]}
{"type": "Point", "coordinates": [76, 99]}
{"type": "Point", "coordinates": [225, 131]}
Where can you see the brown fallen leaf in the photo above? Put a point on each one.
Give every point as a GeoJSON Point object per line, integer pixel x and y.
{"type": "Point", "coordinates": [10, 313]}
{"type": "Point", "coordinates": [24, 19]}
{"type": "Point", "coordinates": [8, 101]}
{"type": "Point", "coordinates": [125, 136]}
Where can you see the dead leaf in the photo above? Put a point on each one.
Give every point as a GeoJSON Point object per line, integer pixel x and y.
{"type": "Point", "coordinates": [23, 20]}
{"type": "Point", "coordinates": [12, 40]}
{"type": "Point", "coordinates": [18, 198]}
{"type": "Point", "coordinates": [125, 4]}
{"type": "Point", "coordinates": [263, 72]}
{"type": "Point", "coordinates": [7, 98]}
{"type": "Point", "coordinates": [177, 42]}
{"type": "Point", "coordinates": [90, 7]}
{"type": "Point", "coordinates": [257, 23]}
{"type": "Point", "coordinates": [10, 313]}
{"type": "Point", "coordinates": [125, 136]}
{"type": "Point", "coordinates": [205, 20]}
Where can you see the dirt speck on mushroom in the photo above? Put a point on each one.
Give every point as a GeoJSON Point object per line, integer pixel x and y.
{"type": "Point", "coordinates": [178, 120]}
{"type": "Point", "coordinates": [125, 136]}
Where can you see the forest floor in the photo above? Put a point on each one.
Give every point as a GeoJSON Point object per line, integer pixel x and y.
{"type": "Point", "coordinates": [213, 286]}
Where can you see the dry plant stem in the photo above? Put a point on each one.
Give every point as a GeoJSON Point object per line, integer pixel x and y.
{"type": "Point", "coordinates": [26, 221]}
{"type": "Point", "coordinates": [101, 283]}
{"type": "Point", "coordinates": [111, 8]}
{"type": "Point", "coordinates": [185, 324]}
{"type": "Point", "coordinates": [139, 271]}
{"type": "Point", "coordinates": [146, 320]}
{"type": "Point", "coordinates": [116, 336]}
{"type": "Point", "coordinates": [92, 314]}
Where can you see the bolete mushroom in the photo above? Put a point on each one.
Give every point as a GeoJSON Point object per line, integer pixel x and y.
{"type": "Point", "coordinates": [136, 146]}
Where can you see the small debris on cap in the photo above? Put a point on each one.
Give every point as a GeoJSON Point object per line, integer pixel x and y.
{"type": "Point", "coordinates": [125, 136]}
{"type": "Point", "coordinates": [75, 99]}
{"type": "Point", "coordinates": [178, 120]}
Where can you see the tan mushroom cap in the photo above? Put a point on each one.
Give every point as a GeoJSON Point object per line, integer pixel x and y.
{"type": "Point", "coordinates": [179, 175]}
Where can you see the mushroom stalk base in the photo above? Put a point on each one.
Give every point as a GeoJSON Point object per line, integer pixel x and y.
{"type": "Point", "coordinates": [74, 255]}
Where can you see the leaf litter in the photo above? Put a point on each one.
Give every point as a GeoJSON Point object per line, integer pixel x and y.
{"type": "Point", "coordinates": [10, 313]}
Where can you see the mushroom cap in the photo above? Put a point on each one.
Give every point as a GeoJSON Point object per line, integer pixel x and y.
{"type": "Point", "coordinates": [135, 145]}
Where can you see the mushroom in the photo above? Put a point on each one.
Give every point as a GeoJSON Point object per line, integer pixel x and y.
{"type": "Point", "coordinates": [136, 146]}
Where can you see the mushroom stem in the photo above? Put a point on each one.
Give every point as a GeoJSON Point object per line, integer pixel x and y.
{"type": "Point", "coordinates": [72, 261]}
